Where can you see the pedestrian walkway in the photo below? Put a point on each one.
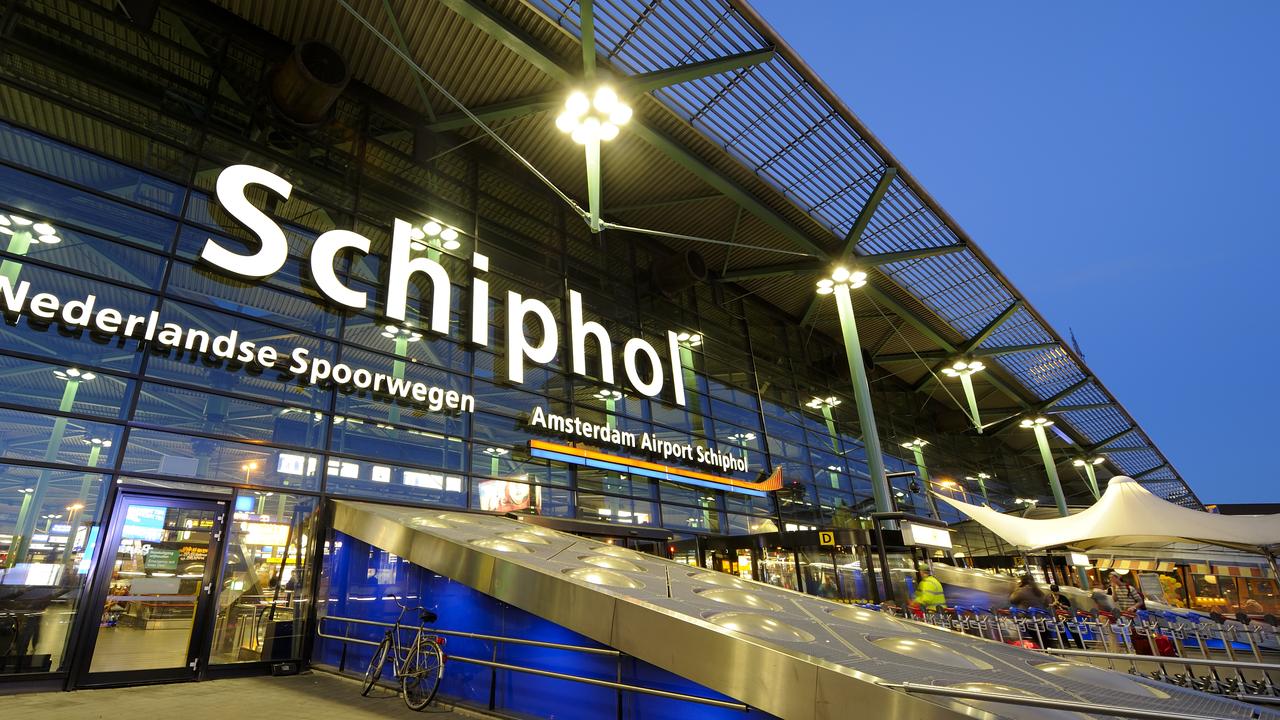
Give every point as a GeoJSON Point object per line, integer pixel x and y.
{"type": "Point", "coordinates": [313, 696]}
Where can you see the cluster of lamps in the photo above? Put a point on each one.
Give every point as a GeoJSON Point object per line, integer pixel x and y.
{"type": "Point", "coordinates": [1039, 421]}
{"type": "Point", "coordinates": [963, 367]}
{"type": "Point", "coordinates": [597, 118]}
{"type": "Point", "coordinates": [818, 403]}
{"type": "Point", "coordinates": [42, 231]}
{"type": "Point", "coordinates": [842, 276]}
{"type": "Point", "coordinates": [419, 236]}
{"type": "Point", "coordinates": [74, 374]}
{"type": "Point", "coordinates": [606, 394]}
{"type": "Point", "coordinates": [689, 339]}
{"type": "Point", "coordinates": [395, 332]}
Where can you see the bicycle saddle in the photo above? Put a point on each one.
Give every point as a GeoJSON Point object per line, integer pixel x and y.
{"type": "Point", "coordinates": [427, 616]}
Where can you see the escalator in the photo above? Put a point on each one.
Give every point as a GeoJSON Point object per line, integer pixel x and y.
{"type": "Point", "coordinates": [788, 654]}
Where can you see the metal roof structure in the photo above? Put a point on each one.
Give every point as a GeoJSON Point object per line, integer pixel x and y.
{"type": "Point", "coordinates": [735, 139]}
{"type": "Point", "coordinates": [776, 120]}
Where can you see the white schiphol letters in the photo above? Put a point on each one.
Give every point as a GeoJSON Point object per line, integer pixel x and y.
{"type": "Point", "coordinates": [677, 372]}
{"type": "Point", "coordinates": [274, 250]}
{"type": "Point", "coordinates": [78, 312]}
{"type": "Point", "coordinates": [479, 301]}
{"type": "Point", "coordinates": [578, 332]}
{"type": "Point", "coordinates": [44, 305]}
{"type": "Point", "coordinates": [518, 347]}
{"type": "Point", "coordinates": [107, 320]}
{"type": "Point", "coordinates": [324, 256]}
{"type": "Point", "coordinates": [653, 386]}
{"type": "Point", "coordinates": [403, 269]}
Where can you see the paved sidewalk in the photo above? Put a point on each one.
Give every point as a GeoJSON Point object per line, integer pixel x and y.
{"type": "Point", "coordinates": [310, 696]}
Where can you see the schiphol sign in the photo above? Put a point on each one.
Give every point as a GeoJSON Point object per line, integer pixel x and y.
{"type": "Point", "coordinates": [271, 255]}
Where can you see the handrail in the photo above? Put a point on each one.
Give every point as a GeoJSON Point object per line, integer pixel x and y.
{"type": "Point", "coordinates": [478, 636]}
{"type": "Point", "coordinates": [1173, 659]}
{"type": "Point", "coordinates": [1114, 710]}
{"type": "Point", "coordinates": [620, 686]}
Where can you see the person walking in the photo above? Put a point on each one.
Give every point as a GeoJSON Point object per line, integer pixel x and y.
{"type": "Point", "coordinates": [1061, 605]}
{"type": "Point", "coordinates": [1125, 596]}
{"type": "Point", "coordinates": [929, 595]}
{"type": "Point", "coordinates": [1028, 595]}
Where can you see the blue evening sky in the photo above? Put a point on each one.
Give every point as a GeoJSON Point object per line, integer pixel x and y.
{"type": "Point", "coordinates": [1118, 161]}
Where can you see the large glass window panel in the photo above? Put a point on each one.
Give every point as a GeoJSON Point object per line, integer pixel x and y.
{"type": "Point", "coordinates": [83, 253]}
{"type": "Point", "coordinates": [46, 438]}
{"type": "Point", "coordinates": [679, 517]}
{"type": "Point", "coordinates": [234, 377]}
{"type": "Point", "coordinates": [393, 444]}
{"type": "Point", "coordinates": [252, 298]}
{"type": "Point", "coordinates": [42, 199]}
{"type": "Point", "coordinates": [516, 464]}
{"type": "Point", "coordinates": [183, 456]}
{"type": "Point", "coordinates": [48, 525]}
{"type": "Point", "coordinates": [623, 511]}
{"type": "Point", "coordinates": [615, 483]}
{"type": "Point", "coordinates": [513, 496]}
{"type": "Point", "coordinates": [43, 389]}
{"type": "Point", "coordinates": [76, 347]}
{"type": "Point", "coordinates": [183, 409]}
{"type": "Point", "coordinates": [407, 340]}
{"type": "Point", "coordinates": [385, 482]}
{"type": "Point", "coordinates": [262, 596]}
{"type": "Point", "coordinates": [54, 158]}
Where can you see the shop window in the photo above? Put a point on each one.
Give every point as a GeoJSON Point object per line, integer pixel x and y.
{"type": "Point", "coordinates": [49, 522]}
{"type": "Point", "coordinates": [263, 592]}
{"type": "Point", "coordinates": [511, 496]}
{"type": "Point", "coordinates": [385, 482]}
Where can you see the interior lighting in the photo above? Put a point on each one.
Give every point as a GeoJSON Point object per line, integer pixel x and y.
{"type": "Point", "coordinates": [1096, 460]}
{"type": "Point", "coordinates": [421, 237]}
{"type": "Point", "coordinates": [43, 231]}
{"type": "Point", "coordinates": [74, 374]}
{"type": "Point", "coordinates": [915, 444]}
{"type": "Point", "coordinates": [964, 367]}
{"type": "Point", "coordinates": [395, 332]}
{"type": "Point", "coordinates": [821, 402]}
{"type": "Point", "coordinates": [842, 276]}
{"type": "Point", "coordinates": [689, 339]}
{"type": "Point", "coordinates": [1038, 421]}
{"type": "Point", "coordinates": [607, 394]}
{"type": "Point", "coordinates": [597, 118]}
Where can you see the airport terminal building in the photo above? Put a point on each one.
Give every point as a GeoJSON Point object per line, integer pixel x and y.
{"type": "Point", "coordinates": [274, 273]}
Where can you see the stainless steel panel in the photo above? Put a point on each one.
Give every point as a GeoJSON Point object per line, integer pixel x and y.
{"type": "Point", "coordinates": [787, 653]}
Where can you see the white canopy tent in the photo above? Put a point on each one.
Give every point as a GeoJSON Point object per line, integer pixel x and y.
{"type": "Point", "coordinates": [1128, 513]}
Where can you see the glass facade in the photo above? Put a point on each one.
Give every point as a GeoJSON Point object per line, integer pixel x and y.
{"type": "Point", "coordinates": [108, 192]}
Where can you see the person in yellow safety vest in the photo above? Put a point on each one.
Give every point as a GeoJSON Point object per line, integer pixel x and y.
{"type": "Point", "coordinates": [929, 590]}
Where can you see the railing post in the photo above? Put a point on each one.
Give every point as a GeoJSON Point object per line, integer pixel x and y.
{"type": "Point", "coordinates": [493, 679]}
{"type": "Point", "coordinates": [617, 663]}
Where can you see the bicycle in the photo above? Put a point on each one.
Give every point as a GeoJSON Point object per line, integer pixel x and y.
{"type": "Point", "coordinates": [418, 666]}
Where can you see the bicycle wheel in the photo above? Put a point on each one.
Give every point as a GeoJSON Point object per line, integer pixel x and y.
{"type": "Point", "coordinates": [374, 671]}
{"type": "Point", "coordinates": [421, 675]}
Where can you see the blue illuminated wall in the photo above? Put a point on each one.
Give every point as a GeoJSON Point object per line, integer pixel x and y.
{"type": "Point", "coordinates": [357, 577]}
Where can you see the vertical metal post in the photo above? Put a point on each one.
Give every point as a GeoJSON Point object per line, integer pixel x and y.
{"type": "Point", "coordinates": [397, 371]}
{"type": "Point", "coordinates": [27, 520]}
{"type": "Point", "coordinates": [967, 382]}
{"type": "Point", "coordinates": [918, 452]}
{"type": "Point", "coordinates": [862, 395]}
{"type": "Point", "coordinates": [19, 243]}
{"type": "Point", "coordinates": [593, 182]}
{"type": "Point", "coordinates": [610, 406]}
{"type": "Point", "coordinates": [1051, 470]}
{"type": "Point", "coordinates": [1093, 480]}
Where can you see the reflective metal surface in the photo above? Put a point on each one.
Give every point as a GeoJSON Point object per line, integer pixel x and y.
{"type": "Point", "coordinates": [1102, 678]}
{"type": "Point", "coordinates": [808, 659]}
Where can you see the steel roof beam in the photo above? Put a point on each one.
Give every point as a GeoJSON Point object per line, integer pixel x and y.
{"type": "Point", "coordinates": [770, 271]}
{"type": "Point", "coordinates": [972, 343]}
{"type": "Point", "coordinates": [980, 352]}
{"type": "Point", "coordinates": [1144, 473]}
{"type": "Point", "coordinates": [497, 111]}
{"type": "Point", "coordinates": [1098, 446]}
{"type": "Point", "coordinates": [868, 210]}
{"type": "Point", "coordinates": [657, 79]}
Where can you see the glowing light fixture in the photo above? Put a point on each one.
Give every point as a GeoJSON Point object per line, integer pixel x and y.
{"type": "Point", "coordinates": [593, 119]}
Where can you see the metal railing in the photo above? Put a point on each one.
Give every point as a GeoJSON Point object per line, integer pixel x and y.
{"type": "Point", "coordinates": [494, 665]}
{"type": "Point", "coordinates": [1051, 703]}
{"type": "Point", "coordinates": [1182, 649]}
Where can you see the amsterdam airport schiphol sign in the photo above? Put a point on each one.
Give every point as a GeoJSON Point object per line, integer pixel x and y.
{"type": "Point", "coordinates": [647, 378]}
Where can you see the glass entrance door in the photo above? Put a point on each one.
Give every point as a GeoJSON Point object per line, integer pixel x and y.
{"type": "Point", "coordinates": [153, 587]}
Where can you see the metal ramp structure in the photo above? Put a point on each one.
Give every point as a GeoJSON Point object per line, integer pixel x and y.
{"type": "Point", "coordinates": [792, 655]}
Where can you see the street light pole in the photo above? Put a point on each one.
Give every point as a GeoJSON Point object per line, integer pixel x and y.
{"type": "Point", "coordinates": [964, 369]}
{"type": "Point", "coordinates": [981, 479]}
{"type": "Point", "coordinates": [839, 284]}
{"type": "Point", "coordinates": [1088, 464]}
{"type": "Point", "coordinates": [1038, 425]}
{"type": "Point", "coordinates": [917, 449]}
